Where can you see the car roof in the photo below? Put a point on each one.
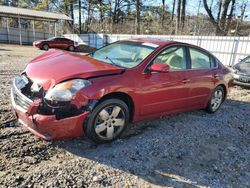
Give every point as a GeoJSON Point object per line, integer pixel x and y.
{"type": "Point", "coordinates": [163, 43]}
{"type": "Point", "coordinates": [156, 41]}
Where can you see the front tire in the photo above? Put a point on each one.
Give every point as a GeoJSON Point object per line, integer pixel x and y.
{"type": "Point", "coordinates": [107, 121]}
{"type": "Point", "coordinates": [216, 99]}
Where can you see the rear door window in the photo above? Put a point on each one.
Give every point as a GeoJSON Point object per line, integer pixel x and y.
{"type": "Point", "coordinates": [200, 60]}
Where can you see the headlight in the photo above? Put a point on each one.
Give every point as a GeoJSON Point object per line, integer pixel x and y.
{"type": "Point", "coordinates": [235, 71]}
{"type": "Point", "coordinates": [236, 76]}
{"type": "Point", "coordinates": [65, 91]}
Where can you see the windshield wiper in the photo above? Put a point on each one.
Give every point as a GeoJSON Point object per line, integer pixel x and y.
{"type": "Point", "coordinates": [106, 57]}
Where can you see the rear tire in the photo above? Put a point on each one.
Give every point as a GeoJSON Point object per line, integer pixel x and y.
{"type": "Point", "coordinates": [45, 47]}
{"type": "Point", "coordinates": [107, 121]}
{"type": "Point", "coordinates": [71, 48]}
{"type": "Point", "coordinates": [216, 99]}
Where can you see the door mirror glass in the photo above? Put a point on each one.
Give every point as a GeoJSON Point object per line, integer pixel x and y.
{"type": "Point", "coordinates": [159, 67]}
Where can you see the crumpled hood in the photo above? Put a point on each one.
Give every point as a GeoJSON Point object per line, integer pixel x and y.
{"type": "Point", "coordinates": [55, 66]}
{"type": "Point", "coordinates": [243, 68]}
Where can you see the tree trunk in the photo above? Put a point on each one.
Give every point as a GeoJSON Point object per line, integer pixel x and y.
{"type": "Point", "coordinates": [219, 11]}
{"type": "Point", "coordinates": [172, 16]}
{"type": "Point", "coordinates": [230, 16]}
{"type": "Point", "coordinates": [224, 14]}
{"type": "Point", "coordinates": [110, 16]}
{"type": "Point", "coordinates": [178, 16]}
{"type": "Point", "coordinates": [67, 24]}
{"type": "Point", "coordinates": [101, 14]}
{"type": "Point", "coordinates": [242, 10]}
{"type": "Point", "coordinates": [173, 9]}
{"type": "Point", "coordinates": [183, 14]}
{"type": "Point", "coordinates": [80, 16]}
{"type": "Point", "coordinates": [88, 18]}
{"type": "Point", "coordinates": [138, 17]}
{"type": "Point", "coordinates": [163, 13]}
{"type": "Point", "coordinates": [72, 12]}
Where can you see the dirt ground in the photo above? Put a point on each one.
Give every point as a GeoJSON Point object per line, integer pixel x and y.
{"type": "Point", "coordinates": [193, 149]}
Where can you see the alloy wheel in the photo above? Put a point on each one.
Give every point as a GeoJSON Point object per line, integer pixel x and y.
{"type": "Point", "coordinates": [109, 122]}
{"type": "Point", "coordinates": [71, 48]}
{"type": "Point", "coordinates": [216, 100]}
{"type": "Point", "coordinates": [45, 47]}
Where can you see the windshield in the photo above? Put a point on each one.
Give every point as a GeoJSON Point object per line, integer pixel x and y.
{"type": "Point", "coordinates": [52, 38]}
{"type": "Point", "coordinates": [127, 54]}
{"type": "Point", "coordinates": [246, 60]}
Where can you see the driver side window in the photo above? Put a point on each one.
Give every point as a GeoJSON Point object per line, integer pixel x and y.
{"type": "Point", "coordinates": [174, 57]}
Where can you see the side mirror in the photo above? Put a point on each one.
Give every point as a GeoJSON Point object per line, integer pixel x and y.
{"type": "Point", "coordinates": [239, 60]}
{"type": "Point", "coordinates": [159, 67]}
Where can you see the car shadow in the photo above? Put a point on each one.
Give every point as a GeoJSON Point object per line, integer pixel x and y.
{"type": "Point", "coordinates": [2, 49]}
{"type": "Point", "coordinates": [244, 87]}
{"type": "Point", "coordinates": [193, 149]}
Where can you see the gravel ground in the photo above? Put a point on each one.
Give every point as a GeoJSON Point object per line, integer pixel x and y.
{"type": "Point", "coordinates": [192, 149]}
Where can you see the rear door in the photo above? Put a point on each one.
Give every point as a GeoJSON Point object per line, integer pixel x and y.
{"type": "Point", "coordinates": [66, 43]}
{"type": "Point", "coordinates": [203, 74]}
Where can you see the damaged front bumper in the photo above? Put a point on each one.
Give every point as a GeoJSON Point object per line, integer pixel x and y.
{"type": "Point", "coordinates": [45, 126]}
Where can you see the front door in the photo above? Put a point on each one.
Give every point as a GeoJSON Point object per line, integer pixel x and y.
{"type": "Point", "coordinates": [58, 43]}
{"type": "Point", "coordinates": [164, 93]}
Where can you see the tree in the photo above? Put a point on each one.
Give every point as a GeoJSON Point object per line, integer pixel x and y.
{"type": "Point", "coordinates": [223, 20]}
{"type": "Point", "coordinates": [183, 14]}
{"type": "Point", "coordinates": [178, 16]}
{"type": "Point", "coordinates": [138, 17]}
{"type": "Point", "coordinates": [172, 15]}
{"type": "Point", "coordinates": [163, 13]}
{"type": "Point", "coordinates": [72, 11]}
{"type": "Point", "coordinates": [173, 9]}
{"type": "Point", "coordinates": [242, 10]}
{"type": "Point", "coordinates": [80, 16]}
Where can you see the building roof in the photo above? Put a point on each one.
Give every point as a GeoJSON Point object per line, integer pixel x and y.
{"type": "Point", "coordinates": [31, 14]}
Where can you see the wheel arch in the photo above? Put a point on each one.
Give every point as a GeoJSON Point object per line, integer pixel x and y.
{"type": "Point", "coordinates": [225, 90]}
{"type": "Point", "coordinates": [124, 97]}
{"type": "Point", "coordinates": [45, 43]}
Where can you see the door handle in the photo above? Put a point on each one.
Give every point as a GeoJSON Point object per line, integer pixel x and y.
{"type": "Point", "coordinates": [185, 81]}
{"type": "Point", "coordinates": [216, 75]}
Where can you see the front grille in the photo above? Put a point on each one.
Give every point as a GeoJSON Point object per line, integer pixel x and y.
{"type": "Point", "coordinates": [20, 99]}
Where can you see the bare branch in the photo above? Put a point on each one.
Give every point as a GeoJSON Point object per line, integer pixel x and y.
{"type": "Point", "coordinates": [209, 12]}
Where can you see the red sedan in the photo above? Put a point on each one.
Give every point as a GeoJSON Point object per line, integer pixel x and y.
{"type": "Point", "coordinates": [62, 95]}
{"type": "Point", "coordinates": [56, 42]}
